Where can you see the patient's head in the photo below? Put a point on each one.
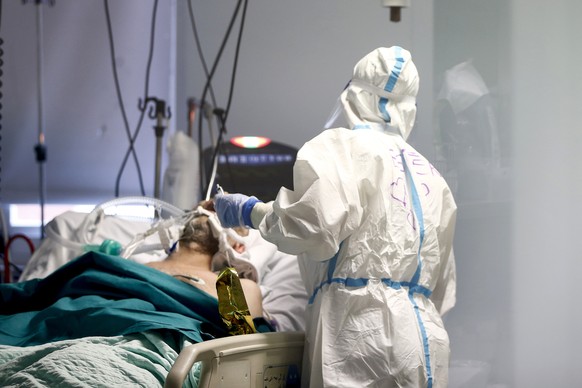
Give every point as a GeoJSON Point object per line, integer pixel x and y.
{"type": "Point", "coordinates": [197, 236]}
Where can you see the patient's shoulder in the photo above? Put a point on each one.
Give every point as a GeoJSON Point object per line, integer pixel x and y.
{"type": "Point", "coordinates": [253, 296]}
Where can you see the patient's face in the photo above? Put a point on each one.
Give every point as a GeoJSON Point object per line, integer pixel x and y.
{"type": "Point", "coordinates": [197, 235]}
{"type": "Point", "coordinates": [238, 247]}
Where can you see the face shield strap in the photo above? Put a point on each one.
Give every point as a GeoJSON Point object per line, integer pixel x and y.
{"type": "Point", "coordinates": [382, 92]}
{"type": "Point", "coordinates": [382, 127]}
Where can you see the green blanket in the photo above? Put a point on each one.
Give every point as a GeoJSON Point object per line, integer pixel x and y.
{"type": "Point", "coordinates": [100, 295]}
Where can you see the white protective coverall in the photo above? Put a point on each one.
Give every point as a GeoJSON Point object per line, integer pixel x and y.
{"type": "Point", "coordinates": [372, 222]}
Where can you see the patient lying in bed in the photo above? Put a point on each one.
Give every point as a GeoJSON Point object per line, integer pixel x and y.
{"type": "Point", "coordinates": [192, 262]}
{"type": "Point", "coordinates": [283, 294]}
{"type": "Point", "coordinates": [104, 320]}
{"type": "Point", "coordinates": [79, 324]}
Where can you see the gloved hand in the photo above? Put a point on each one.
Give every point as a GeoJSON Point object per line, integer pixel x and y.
{"type": "Point", "coordinates": [234, 209]}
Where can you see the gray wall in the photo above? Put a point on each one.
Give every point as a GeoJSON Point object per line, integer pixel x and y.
{"type": "Point", "coordinates": [546, 260]}
{"type": "Point", "coordinates": [295, 59]}
{"type": "Point", "coordinates": [85, 135]}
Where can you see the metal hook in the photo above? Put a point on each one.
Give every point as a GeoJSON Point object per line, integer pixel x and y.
{"type": "Point", "coordinates": [157, 110]}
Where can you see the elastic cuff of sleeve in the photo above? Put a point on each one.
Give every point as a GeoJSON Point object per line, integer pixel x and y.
{"type": "Point", "coordinates": [246, 210]}
{"type": "Point", "coordinates": [260, 211]}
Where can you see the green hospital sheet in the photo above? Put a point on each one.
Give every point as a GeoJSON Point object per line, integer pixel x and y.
{"type": "Point", "coordinates": [101, 295]}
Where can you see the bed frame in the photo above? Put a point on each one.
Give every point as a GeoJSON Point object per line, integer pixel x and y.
{"type": "Point", "coordinates": [252, 360]}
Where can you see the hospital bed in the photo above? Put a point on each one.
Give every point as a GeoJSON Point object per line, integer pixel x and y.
{"type": "Point", "coordinates": [261, 359]}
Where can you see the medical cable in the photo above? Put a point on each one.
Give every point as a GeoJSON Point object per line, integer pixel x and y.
{"type": "Point", "coordinates": [222, 116]}
{"type": "Point", "coordinates": [236, 56]}
{"type": "Point", "coordinates": [214, 160]}
{"type": "Point", "coordinates": [121, 106]}
{"type": "Point", "coordinates": [207, 86]}
{"type": "Point", "coordinates": [132, 138]}
{"type": "Point", "coordinates": [205, 107]}
{"type": "Point", "coordinates": [199, 49]}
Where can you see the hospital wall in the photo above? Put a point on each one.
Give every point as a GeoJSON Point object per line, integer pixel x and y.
{"type": "Point", "coordinates": [546, 260]}
{"type": "Point", "coordinates": [83, 122]}
{"type": "Point", "coordinates": [515, 323]}
{"type": "Point", "coordinates": [295, 59]}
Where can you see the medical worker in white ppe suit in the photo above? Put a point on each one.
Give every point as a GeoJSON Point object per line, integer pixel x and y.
{"type": "Point", "coordinates": [372, 222]}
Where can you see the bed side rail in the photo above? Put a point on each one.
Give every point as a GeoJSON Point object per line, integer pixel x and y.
{"type": "Point", "coordinates": [250, 360]}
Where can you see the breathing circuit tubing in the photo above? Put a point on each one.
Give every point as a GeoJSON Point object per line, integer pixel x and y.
{"type": "Point", "coordinates": [161, 228]}
{"type": "Point", "coordinates": [7, 272]}
{"type": "Point", "coordinates": [92, 220]}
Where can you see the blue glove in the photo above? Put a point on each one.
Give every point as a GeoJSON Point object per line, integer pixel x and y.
{"type": "Point", "coordinates": [234, 209]}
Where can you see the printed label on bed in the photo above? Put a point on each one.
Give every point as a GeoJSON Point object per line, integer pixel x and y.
{"type": "Point", "coordinates": [281, 376]}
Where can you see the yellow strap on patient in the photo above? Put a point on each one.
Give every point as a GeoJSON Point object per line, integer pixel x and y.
{"type": "Point", "coordinates": [232, 304]}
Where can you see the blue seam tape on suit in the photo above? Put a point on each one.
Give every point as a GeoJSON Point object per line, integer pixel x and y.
{"type": "Point", "coordinates": [413, 286]}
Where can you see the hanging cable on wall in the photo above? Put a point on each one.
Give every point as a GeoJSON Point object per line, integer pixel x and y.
{"type": "Point", "coordinates": [236, 55]}
{"type": "Point", "coordinates": [209, 76]}
{"type": "Point", "coordinates": [206, 109]}
{"type": "Point", "coordinates": [131, 137]}
{"type": "Point", "coordinates": [222, 116]}
{"type": "Point", "coordinates": [199, 49]}
{"type": "Point", "coordinates": [206, 176]}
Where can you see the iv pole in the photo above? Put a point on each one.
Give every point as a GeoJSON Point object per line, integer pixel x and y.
{"type": "Point", "coordinates": [40, 148]}
{"type": "Point", "coordinates": [162, 115]}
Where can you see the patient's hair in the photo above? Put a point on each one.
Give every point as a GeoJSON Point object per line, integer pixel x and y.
{"type": "Point", "coordinates": [197, 236]}
{"type": "Point", "coordinates": [198, 231]}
